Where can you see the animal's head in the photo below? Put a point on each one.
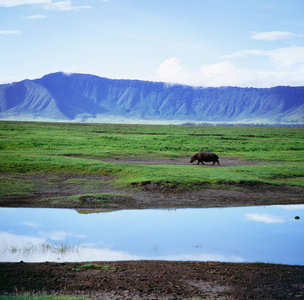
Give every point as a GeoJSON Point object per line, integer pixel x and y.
{"type": "Point", "coordinates": [192, 159]}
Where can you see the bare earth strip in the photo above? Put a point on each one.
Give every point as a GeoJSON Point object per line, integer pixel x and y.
{"type": "Point", "coordinates": [224, 162]}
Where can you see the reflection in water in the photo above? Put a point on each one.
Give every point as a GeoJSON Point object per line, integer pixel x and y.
{"type": "Point", "coordinates": [266, 218]}
{"type": "Point", "coordinates": [30, 249]}
{"type": "Point", "coordinates": [264, 234]}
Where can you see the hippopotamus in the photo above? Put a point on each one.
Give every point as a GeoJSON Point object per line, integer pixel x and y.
{"type": "Point", "coordinates": [204, 156]}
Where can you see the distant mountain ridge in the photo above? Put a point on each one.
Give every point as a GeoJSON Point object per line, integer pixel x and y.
{"type": "Point", "coordinates": [81, 97]}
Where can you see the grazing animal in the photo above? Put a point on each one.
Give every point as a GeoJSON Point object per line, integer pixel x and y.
{"type": "Point", "coordinates": [205, 156]}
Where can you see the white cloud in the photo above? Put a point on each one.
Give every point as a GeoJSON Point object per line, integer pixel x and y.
{"type": "Point", "coordinates": [222, 74]}
{"type": "Point", "coordinates": [172, 71]}
{"type": "Point", "coordinates": [274, 35]}
{"type": "Point", "coordinates": [218, 69]}
{"type": "Point", "coordinates": [281, 66]}
{"type": "Point", "coordinates": [288, 56]}
{"type": "Point", "coordinates": [244, 53]}
{"type": "Point", "coordinates": [226, 73]}
{"type": "Point", "coordinates": [11, 3]}
{"type": "Point", "coordinates": [34, 17]}
{"type": "Point", "coordinates": [63, 6]}
{"type": "Point", "coordinates": [265, 218]}
{"type": "Point", "coordinates": [47, 4]}
{"type": "Point", "coordinates": [9, 32]}
{"type": "Point", "coordinates": [170, 68]}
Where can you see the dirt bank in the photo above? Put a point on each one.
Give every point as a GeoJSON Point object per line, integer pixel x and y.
{"type": "Point", "coordinates": [54, 191]}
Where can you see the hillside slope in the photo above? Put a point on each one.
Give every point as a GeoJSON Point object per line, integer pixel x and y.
{"type": "Point", "coordinates": [81, 97]}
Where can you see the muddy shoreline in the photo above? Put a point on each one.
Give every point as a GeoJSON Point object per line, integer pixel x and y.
{"type": "Point", "coordinates": [154, 280]}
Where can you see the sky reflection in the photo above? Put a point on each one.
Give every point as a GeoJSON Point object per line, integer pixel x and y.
{"type": "Point", "coordinates": [251, 234]}
{"type": "Point", "coordinates": [266, 218]}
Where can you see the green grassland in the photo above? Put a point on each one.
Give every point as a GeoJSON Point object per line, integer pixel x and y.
{"type": "Point", "coordinates": [29, 148]}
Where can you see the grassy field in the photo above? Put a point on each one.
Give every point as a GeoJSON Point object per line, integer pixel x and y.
{"type": "Point", "coordinates": [29, 148]}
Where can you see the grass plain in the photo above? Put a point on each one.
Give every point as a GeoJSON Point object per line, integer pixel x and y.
{"type": "Point", "coordinates": [29, 148]}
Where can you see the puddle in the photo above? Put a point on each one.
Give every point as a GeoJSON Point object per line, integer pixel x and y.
{"type": "Point", "coordinates": [271, 234]}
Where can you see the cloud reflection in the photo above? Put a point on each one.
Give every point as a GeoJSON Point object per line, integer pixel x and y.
{"type": "Point", "coordinates": [292, 207]}
{"type": "Point", "coordinates": [31, 224]}
{"type": "Point", "coordinates": [202, 257]}
{"type": "Point", "coordinates": [30, 249]}
{"type": "Point", "coordinates": [61, 235]}
{"type": "Point", "coordinates": [265, 218]}
{"type": "Point", "coordinates": [7, 238]}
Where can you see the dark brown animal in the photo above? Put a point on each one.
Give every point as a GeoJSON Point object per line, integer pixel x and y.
{"type": "Point", "coordinates": [205, 156]}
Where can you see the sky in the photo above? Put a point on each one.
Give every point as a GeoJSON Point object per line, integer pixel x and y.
{"type": "Point", "coordinates": [210, 43]}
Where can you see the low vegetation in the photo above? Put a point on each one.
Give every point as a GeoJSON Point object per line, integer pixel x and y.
{"type": "Point", "coordinates": [28, 149]}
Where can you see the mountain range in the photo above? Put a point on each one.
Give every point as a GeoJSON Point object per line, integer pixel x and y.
{"type": "Point", "coordinates": [88, 98]}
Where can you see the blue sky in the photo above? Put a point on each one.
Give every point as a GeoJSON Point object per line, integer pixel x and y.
{"type": "Point", "coordinates": [248, 43]}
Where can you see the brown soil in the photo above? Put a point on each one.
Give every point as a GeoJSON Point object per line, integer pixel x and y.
{"type": "Point", "coordinates": [153, 279]}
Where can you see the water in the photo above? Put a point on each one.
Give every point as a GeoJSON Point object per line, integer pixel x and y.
{"type": "Point", "coordinates": [247, 234]}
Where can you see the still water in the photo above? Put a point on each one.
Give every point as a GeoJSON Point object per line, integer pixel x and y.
{"type": "Point", "coordinates": [246, 234]}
